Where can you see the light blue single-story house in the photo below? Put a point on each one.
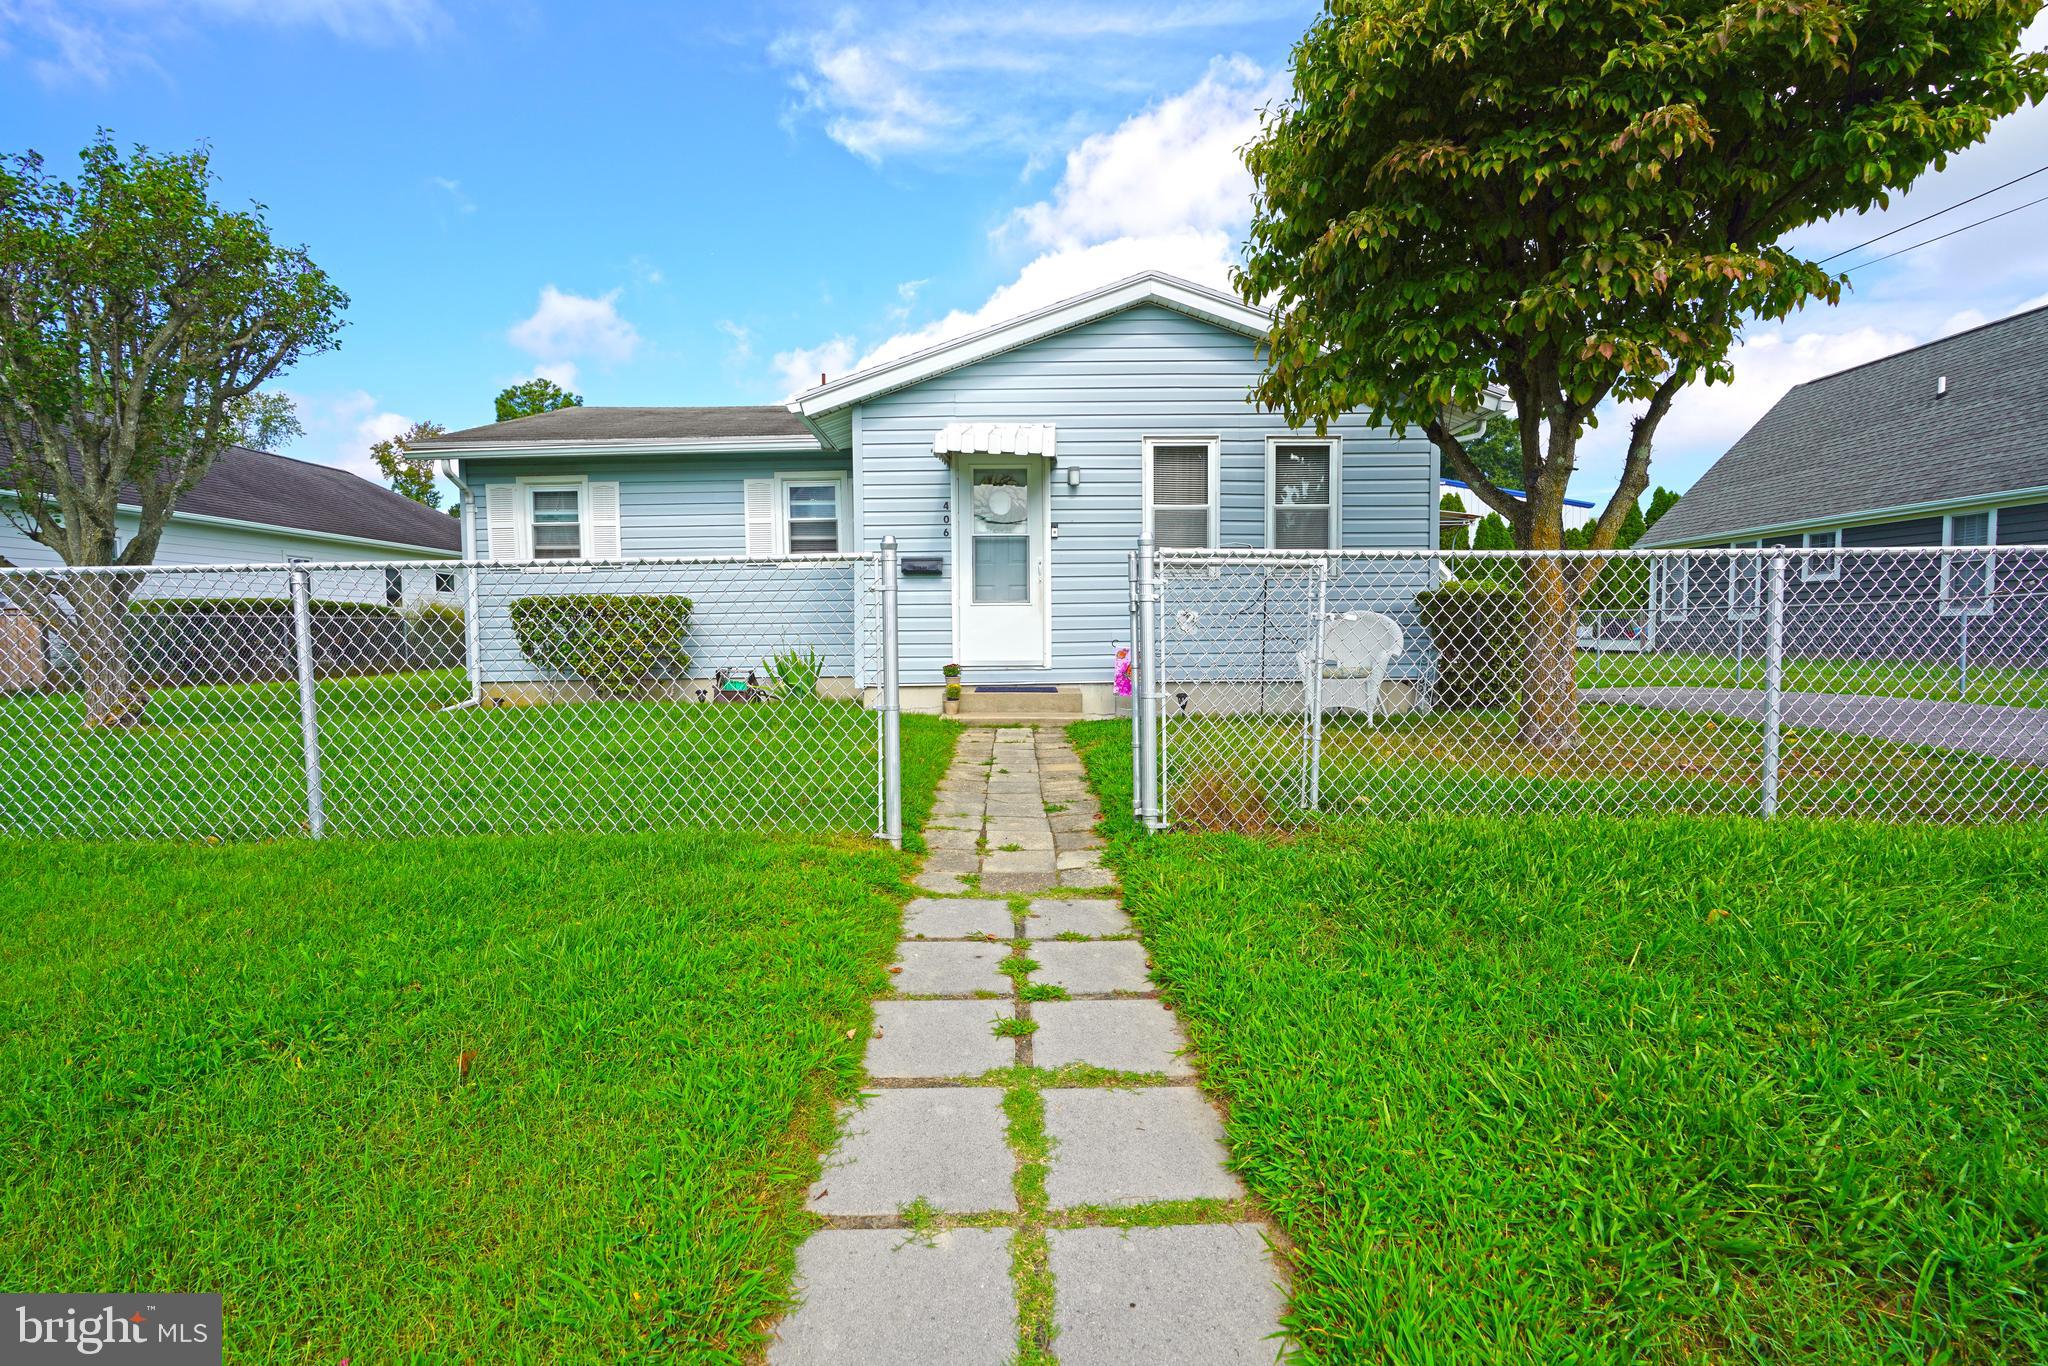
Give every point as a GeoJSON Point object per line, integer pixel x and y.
{"type": "Point", "coordinates": [1016, 468]}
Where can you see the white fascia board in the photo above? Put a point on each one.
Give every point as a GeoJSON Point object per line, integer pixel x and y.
{"type": "Point", "coordinates": [1165, 290]}
{"type": "Point", "coordinates": [550, 450]}
{"type": "Point", "coordinates": [1842, 520]}
{"type": "Point", "coordinates": [280, 529]}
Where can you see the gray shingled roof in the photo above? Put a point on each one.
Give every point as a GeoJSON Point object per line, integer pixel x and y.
{"type": "Point", "coordinates": [297, 495]}
{"type": "Point", "coordinates": [1877, 437]}
{"type": "Point", "coordinates": [637, 424]}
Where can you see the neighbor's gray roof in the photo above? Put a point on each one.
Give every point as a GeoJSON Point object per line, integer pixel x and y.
{"type": "Point", "coordinates": [636, 424]}
{"type": "Point", "coordinates": [1876, 437]}
{"type": "Point", "coordinates": [297, 495]}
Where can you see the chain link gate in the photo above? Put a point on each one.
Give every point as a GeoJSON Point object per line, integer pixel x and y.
{"type": "Point", "coordinates": [438, 697]}
{"type": "Point", "coordinates": [1901, 684]}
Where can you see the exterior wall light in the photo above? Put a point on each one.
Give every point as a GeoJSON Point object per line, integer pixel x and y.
{"type": "Point", "coordinates": [1073, 476]}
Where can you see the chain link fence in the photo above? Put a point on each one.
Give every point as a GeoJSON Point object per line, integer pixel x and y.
{"type": "Point", "coordinates": [406, 699]}
{"type": "Point", "coordinates": [1884, 684]}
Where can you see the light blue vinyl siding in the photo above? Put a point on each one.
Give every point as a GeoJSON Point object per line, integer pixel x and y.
{"type": "Point", "coordinates": [680, 506]}
{"type": "Point", "coordinates": [1105, 386]}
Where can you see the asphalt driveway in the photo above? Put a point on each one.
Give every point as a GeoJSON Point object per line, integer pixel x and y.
{"type": "Point", "coordinates": [2018, 734]}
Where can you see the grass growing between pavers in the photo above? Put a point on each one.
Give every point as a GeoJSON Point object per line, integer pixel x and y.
{"type": "Point", "coordinates": [497, 1098]}
{"type": "Point", "coordinates": [224, 761]}
{"type": "Point", "coordinates": [1612, 1090]}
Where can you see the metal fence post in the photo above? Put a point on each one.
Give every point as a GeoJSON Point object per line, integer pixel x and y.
{"type": "Point", "coordinates": [1137, 744]}
{"type": "Point", "coordinates": [892, 703]}
{"type": "Point", "coordinates": [1149, 810]}
{"type": "Point", "coordinates": [309, 716]}
{"type": "Point", "coordinates": [1315, 690]}
{"type": "Point", "coordinates": [1774, 678]}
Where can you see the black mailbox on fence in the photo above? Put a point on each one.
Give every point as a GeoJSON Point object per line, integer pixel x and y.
{"type": "Point", "coordinates": [922, 566]}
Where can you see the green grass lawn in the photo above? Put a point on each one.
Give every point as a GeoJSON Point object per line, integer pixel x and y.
{"type": "Point", "coordinates": [1602, 1090]}
{"type": "Point", "coordinates": [2003, 685]}
{"type": "Point", "coordinates": [1245, 772]}
{"type": "Point", "coordinates": [534, 1098]}
{"type": "Point", "coordinates": [224, 761]}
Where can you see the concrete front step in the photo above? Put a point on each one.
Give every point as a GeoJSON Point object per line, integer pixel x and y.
{"type": "Point", "coordinates": [993, 700]}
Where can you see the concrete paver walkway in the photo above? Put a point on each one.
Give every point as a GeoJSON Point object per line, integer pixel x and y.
{"type": "Point", "coordinates": [1033, 1175]}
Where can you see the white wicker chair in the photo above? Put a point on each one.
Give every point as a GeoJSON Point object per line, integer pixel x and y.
{"type": "Point", "coordinates": [1357, 648]}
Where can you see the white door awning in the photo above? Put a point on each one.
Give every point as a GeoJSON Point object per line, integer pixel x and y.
{"type": "Point", "coordinates": [994, 438]}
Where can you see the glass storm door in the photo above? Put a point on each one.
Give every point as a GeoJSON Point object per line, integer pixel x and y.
{"type": "Point", "coordinates": [1002, 552]}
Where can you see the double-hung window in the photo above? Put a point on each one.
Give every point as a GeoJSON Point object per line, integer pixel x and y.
{"type": "Point", "coordinates": [1180, 492]}
{"type": "Point", "coordinates": [1674, 580]}
{"type": "Point", "coordinates": [813, 512]}
{"type": "Point", "coordinates": [1822, 559]}
{"type": "Point", "coordinates": [555, 522]}
{"type": "Point", "coordinates": [1302, 482]}
{"type": "Point", "coordinates": [1746, 583]}
{"type": "Point", "coordinates": [1966, 574]}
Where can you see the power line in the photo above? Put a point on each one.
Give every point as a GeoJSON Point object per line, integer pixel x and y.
{"type": "Point", "coordinates": [1992, 218]}
{"type": "Point", "coordinates": [1846, 251]}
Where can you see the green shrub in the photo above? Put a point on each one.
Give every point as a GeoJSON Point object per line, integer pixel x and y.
{"type": "Point", "coordinates": [1476, 627]}
{"type": "Point", "coordinates": [618, 643]}
{"type": "Point", "coordinates": [796, 672]}
{"type": "Point", "coordinates": [434, 633]}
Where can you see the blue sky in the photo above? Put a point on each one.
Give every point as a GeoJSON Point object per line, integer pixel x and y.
{"type": "Point", "coordinates": [709, 204]}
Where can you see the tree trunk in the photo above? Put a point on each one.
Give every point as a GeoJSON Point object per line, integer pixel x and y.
{"type": "Point", "coordinates": [1548, 716]}
{"type": "Point", "coordinates": [99, 634]}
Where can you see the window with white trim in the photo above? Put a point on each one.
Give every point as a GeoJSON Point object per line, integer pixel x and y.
{"type": "Point", "coordinates": [555, 521]}
{"type": "Point", "coordinates": [1302, 481]}
{"type": "Point", "coordinates": [1675, 582]}
{"type": "Point", "coordinates": [1746, 583]}
{"type": "Point", "coordinates": [1966, 578]}
{"type": "Point", "coordinates": [1180, 493]}
{"type": "Point", "coordinates": [1822, 559]}
{"type": "Point", "coordinates": [812, 510]}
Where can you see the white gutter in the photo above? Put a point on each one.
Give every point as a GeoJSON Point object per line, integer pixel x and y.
{"type": "Point", "coordinates": [545, 450]}
{"type": "Point", "coordinates": [1898, 512]}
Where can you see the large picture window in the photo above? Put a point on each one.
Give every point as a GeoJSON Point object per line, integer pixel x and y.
{"type": "Point", "coordinates": [1180, 493]}
{"type": "Point", "coordinates": [1302, 481]}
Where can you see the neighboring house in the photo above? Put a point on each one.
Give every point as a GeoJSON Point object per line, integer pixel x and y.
{"type": "Point", "coordinates": [1016, 467]}
{"type": "Point", "coordinates": [1941, 445]}
{"type": "Point", "coordinates": [254, 508]}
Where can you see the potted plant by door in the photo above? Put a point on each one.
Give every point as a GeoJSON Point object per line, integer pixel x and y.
{"type": "Point", "coordinates": [952, 672]}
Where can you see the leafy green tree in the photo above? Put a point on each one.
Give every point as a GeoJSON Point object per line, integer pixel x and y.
{"type": "Point", "coordinates": [1661, 502]}
{"type": "Point", "coordinates": [1452, 537]}
{"type": "Point", "coordinates": [532, 397]}
{"type": "Point", "coordinates": [1581, 201]}
{"type": "Point", "coordinates": [266, 420]}
{"type": "Point", "coordinates": [1493, 533]}
{"type": "Point", "coordinates": [1498, 453]}
{"type": "Point", "coordinates": [409, 475]}
{"type": "Point", "coordinates": [1633, 526]}
{"type": "Point", "coordinates": [135, 313]}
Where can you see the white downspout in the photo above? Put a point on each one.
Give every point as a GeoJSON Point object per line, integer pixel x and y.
{"type": "Point", "coordinates": [473, 665]}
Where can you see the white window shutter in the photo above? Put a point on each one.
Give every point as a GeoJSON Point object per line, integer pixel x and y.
{"type": "Point", "coordinates": [501, 517]}
{"type": "Point", "coordinates": [604, 520]}
{"type": "Point", "coordinates": [760, 516]}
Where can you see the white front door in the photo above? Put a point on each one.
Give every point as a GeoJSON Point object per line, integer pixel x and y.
{"type": "Point", "coordinates": [1000, 539]}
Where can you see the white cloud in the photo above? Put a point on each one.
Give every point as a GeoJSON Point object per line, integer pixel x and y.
{"type": "Point", "coordinates": [1164, 190]}
{"type": "Point", "coordinates": [740, 341]}
{"type": "Point", "coordinates": [798, 369]}
{"type": "Point", "coordinates": [562, 373]}
{"type": "Point", "coordinates": [1174, 167]}
{"type": "Point", "coordinates": [341, 428]}
{"type": "Point", "coordinates": [565, 328]}
{"type": "Point", "coordinates": [943, 79]}
{"type": "Point", "coordinates": [93, 41]}
{"type": "Point", "coordinates": [458, 198]}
